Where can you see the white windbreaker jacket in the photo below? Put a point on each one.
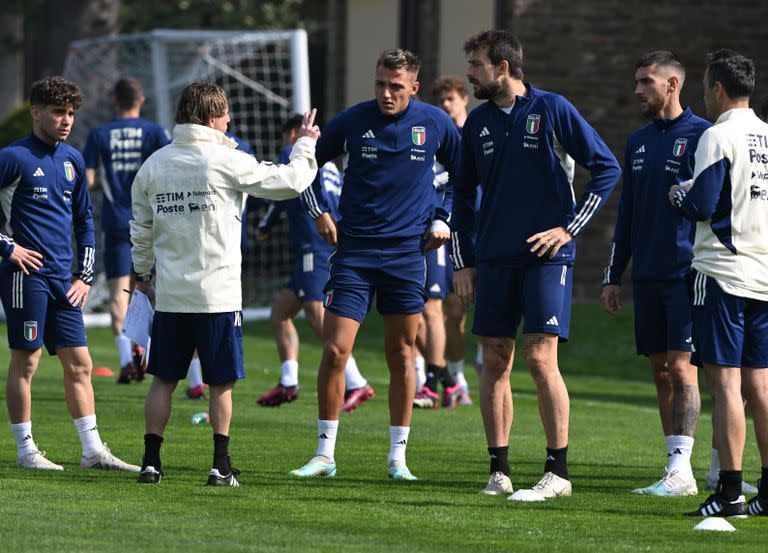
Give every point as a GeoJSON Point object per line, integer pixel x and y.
{"type": "Point", "coordinates": [187, 209]}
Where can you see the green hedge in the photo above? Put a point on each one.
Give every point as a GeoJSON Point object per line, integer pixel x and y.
{"type": "Point", "coordinates": [17, 125]}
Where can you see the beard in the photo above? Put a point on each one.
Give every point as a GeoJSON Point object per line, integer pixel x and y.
{"type": "Point", "coordinates": [652, 107]}
{"type": "Point", "coordinates": [486, 92]}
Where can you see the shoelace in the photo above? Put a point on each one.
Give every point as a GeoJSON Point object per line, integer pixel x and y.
{"type": "Point", "coordinates": [544, 482]}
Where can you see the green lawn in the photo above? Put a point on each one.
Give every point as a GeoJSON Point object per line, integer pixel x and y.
{"type": "Point", "coordinates": [616, 445]}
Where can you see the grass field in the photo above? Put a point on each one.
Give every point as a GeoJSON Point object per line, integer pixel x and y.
{"type": "Point", "coordinates": [615, 445]}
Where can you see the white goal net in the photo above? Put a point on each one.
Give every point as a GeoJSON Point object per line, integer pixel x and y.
{"type": "Point", "coordinates": [266, 75]}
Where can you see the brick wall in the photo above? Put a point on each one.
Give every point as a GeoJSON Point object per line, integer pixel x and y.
{"type": "Point", "coordinates": [587, 51]}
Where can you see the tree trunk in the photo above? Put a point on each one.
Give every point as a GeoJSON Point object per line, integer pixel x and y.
{"type": "Point", "coordinates": [11, 58]}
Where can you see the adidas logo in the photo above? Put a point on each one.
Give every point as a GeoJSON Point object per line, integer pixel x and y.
{"type": "Point", "coordinates": [38, 173]}
{"type": "Point", "coordinates": [640, 150]}
{"type": "Point", "coordinates": [675, 452]}
{"type": "Point", "coordinates": [485, 132]}
{"type": "Point", "coordinates": [27, 437]}
{"type": "Point", "coordinates": [553, 322]}
{"type": "Point", "coordinates": [369, 134]}
{"type": "Point", "coordinates": [402, 442]}
{"type": "Point", "coordinates": [435, 287]}
{"type": "Point", "coordinates": [550, 458]}
{"type": "Point", "coordinates": [323, 436]}
{"type": "Point", "coordinates": [689, 340]}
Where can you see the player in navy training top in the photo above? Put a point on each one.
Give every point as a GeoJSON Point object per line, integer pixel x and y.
{"type": "Point", "coordinates": [115, 152]}
{"type": "Point", "coordinates": [388, 219]}
{"type": "Point", "coordinates": [521, 146]}
{"type": "Point", "coordinates": [304, 289]}
{"type": "Point", "coordinates": [444, 312]}
{"type": "Point", "coordinates": [43, 194]}
{"type": "Point", "coordinates": [659, 240]}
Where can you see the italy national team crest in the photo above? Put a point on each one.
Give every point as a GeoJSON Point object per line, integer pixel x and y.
{"type": "Point", "coordinates": [30, 331]}
{"type": "Point", "coordinates": [328, 298]}
{"type": "Point", "coordinates": [679, 148]}
{"type": "Point", "coordinates": [69, 171]}
{"type": "Point", "coordinates": [532, 124]}
{"type": "Point", "coordinates": [418, 135]}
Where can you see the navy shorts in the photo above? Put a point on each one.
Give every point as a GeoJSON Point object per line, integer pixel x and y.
{"type": "Point", "coordinates": [662, 316]}
{"type": "Point", "coordinates": [392, 269]}
{"type": "Point", "coordinates": [309, 277]}
{"type": "Point", "coordinates": [217, 337]}
{"type": "Point", "coordinates": [540, 295]}
{"type": "Point", "coordinates": [38, 312]}
{"type": "Point", "coordinates": [728, 330]}
{"type": "Point", "coordinates": [117, 253]}
{"type": "Point", "coordinates": [437, 273]}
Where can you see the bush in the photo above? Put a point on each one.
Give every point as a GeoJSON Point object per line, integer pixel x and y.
{"type": "Point", "coordinates": [17, 125]}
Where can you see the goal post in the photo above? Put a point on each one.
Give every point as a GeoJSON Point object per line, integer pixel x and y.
{"type": "Point", "coordinates": [266, 76]}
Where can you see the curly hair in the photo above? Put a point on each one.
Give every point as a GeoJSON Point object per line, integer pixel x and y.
{"type": "Point", "coordinates": [501, 45]}
{"type": "Point", "coordinates": [56, 91]}
{"type": "Point", "coordinates": [449, 83]}
{"type": "Point", "coordinates": [399, 59]}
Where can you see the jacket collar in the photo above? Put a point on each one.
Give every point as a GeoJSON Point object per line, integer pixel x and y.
{"type": "Point", "coordinates": [663, 123]}
{"type": "Point", "coordinates": [736, 113]}
{"type": "Point", "coordinates": [189, 133]}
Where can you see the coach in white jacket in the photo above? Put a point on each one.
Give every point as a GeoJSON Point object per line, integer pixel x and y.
{"type": "Point", "coordinates": [187, 203]}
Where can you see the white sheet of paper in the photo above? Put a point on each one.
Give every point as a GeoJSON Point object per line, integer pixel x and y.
{"type": "Point", "coordinates": [138, 319]}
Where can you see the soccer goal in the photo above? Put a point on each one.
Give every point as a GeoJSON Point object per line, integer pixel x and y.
{"type": "Point", "coordinates": [266, 75]}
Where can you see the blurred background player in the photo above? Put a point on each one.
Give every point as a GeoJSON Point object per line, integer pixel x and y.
{"type": "Point", "coordinates": [388, 219]}
{"type": "Point", "coordinates": [442, 327]}
{"type": "Point", "coordinates": [44, 194]}
{"type": "Point", "coordinates": [522, 145]}
{"type": "Point", "coordinates": [117, 150]}
{"type": "Point", "coordinates": [304, 289]}
{"type": "Point", "coordinates": [659, 240]}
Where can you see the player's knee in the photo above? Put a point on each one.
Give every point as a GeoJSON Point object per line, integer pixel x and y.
{"type": "Point", "coordinates": [79, 370]}
{"type": "Point", "coordinates": [682, 373]}
{"type": "Point", "coordinates": [540, 364]}
{"type": "Point", "coordinates": [24, 363]}
{"type": "Point", "coordinates": [335, 353]}
{"type": "Point", "coordinates": [497, 357]}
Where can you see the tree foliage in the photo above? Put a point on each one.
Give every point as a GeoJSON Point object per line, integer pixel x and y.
{"type": "Point", "coordinates": [144, 15]}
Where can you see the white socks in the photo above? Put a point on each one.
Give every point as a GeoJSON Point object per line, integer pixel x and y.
{"type": "Point", "coordinates": [714, 465]}
{"type": "Point", "coordinates": [398, 441]}
{"type": "Point", "coordinates": [679, 449]}
{"type": "Point", "coordinates": [353, 377]}
{"type": "Point", "coordinates": [123, 344]}
{"type": "Point", "coordinates": [421, 376]}
{"type": "Point", "coordinates": [22, 433]}
{"type": "Point", "coordinates": [457, 369]}
{"type": "Point", "coordinates": [89, 435]}
{"type": "Point", "coordinates": [290, 369]}
{"type": "Point", "coordinates": [326, 438]}
{"type": "Point", "coordinates": [195, 373]}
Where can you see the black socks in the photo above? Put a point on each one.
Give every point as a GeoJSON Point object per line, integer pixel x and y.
{"type": "Point", "coordinates": [557, 462]}
{"type": "Point", "coordinates": [221, 454]}
{"type": "Point", "coordinates": [499, 459]}
{"type": "Point", "coordinates": [152, 443]}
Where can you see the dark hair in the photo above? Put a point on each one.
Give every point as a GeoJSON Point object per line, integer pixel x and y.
{"type": "Point", "coordinates": [735, 72]}
{"type": "Point", "coordinates": [662, 58]}
{"type": "Point", "coordinates": [55, 91]}
{"type": "Point", "coordinates": [127, 92]}
{"type": "Point", "coordinates": [200, 102]}
{"type": "Point", "coordinates": [293, 122]}
{"type": "Point", "coordinates": [399, 59]}
{"type": "Point", "coordinates": [501, 45]}
{"type": "Point", "coordinates": [449, 83]}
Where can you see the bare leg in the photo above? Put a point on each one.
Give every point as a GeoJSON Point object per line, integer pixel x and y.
{"type": "Point", "coordinates": [540, 351]}
{"type": "Point", "coordinates": [728, 419]}
{"type": "Point", "coordinates": [221, 407]}
{"type": "Point", "coordinates": [495, 391]}
{"type": "Point", "coordinates": [755, 386]}
{"type": "Point", "coordinates": [686, 401]}
{"type": "Point", "coordinates": [338, 338]}
{"type": "Point", "coordinates": [664, 390]}
{"type": "Point", "coordinates": [435, 325]}
{"type": "Point", "coordinates": [285, 307]}
{"type": "Point", "coordinates": [18, 394]}
{"type": "Point", "coordinates": [399, 340]}
{"type": "Point", "coordinates": [157, 407]}
{"type": "Point", "coordinates": [78, 389]}
{"type": "Point", "coordinates": [118, 301]}
{"type": "Point", "coordinates": [456, 316]}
